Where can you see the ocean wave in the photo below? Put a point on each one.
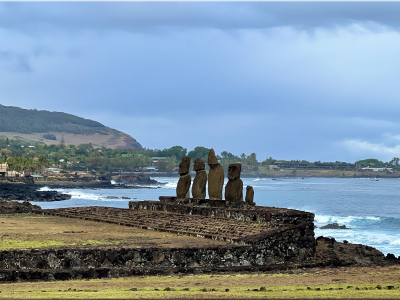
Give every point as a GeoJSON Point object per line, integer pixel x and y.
{"type": "Point", "coordinates": [45, 189]}
{"type": "Point", "coordinates": [355, 221]}
{"type": "Point", "coordinates": [171, 184]}
{"type": "Point", "coordinates": [385, 241]}
{"type": "Point", "coordinates": [84, 195]}
{"type": "Point", "coordinates": [395, 242]}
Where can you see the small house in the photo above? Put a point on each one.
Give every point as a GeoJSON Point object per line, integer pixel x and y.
{"type": "Point", "coordinates": [3, 169]}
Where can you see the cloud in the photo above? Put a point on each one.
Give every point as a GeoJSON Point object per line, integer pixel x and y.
{"type": "Point", "coordinates": [380, 150]}
{"type": "Point", "coordinates": [139, 16]}
{"type": "Point", "coordinates": [287, 80]}
{"type": "Point", "coordinates": [15, 62]}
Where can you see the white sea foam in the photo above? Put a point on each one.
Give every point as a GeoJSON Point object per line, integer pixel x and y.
{"type": "Point", "coordinates": [387, 242]}
{"type": "Point", "coordinates": [45, 189]}
{"type": "Point", "coordinates": [84, 195]}
{"type": "Point", "coordinates": [395, 242]}
{"type": "Point", "coordinates": [348, 221]}
{"type": "Point", "coordinates": [171, 184]}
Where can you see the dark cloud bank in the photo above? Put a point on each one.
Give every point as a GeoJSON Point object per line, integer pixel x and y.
{"type": "Point", "coordinates": [316, 81]}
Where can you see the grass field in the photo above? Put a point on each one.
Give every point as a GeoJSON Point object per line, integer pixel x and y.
{"type": "Point", "coordinates": [24, 231]}
{"type": "Point", "coordinates": [356, 283]}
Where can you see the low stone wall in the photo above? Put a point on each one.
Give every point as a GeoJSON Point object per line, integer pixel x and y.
{"type": "Point", "coordinates": [226, 210]}
{"type": "Point", "coordinates": [290, 245]}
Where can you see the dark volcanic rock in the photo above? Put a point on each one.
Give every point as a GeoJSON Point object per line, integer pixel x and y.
{"type": "Point", "coordinates": [340, 254]}
{"type": "Point", "coordinates": [136, 179]}
{"type": "Point", "coordinates": [334, 226]}
{"type": "Point", "coordinates": [29, 192]}
{"type": "Point", "coordinates": [11, 207]}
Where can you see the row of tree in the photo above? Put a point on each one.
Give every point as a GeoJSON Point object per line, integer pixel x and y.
{"type": "Point", "coordinates": [27, 165]}
{"type": "Point", "coordinates": [85, 156]}
{"type": "Point", "coordinates": [32, 157]}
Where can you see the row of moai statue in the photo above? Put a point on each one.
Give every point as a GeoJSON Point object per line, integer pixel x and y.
{"type": "Point", "coordinates": [233, 189]}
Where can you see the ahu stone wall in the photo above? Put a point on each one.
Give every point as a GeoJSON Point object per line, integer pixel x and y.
{"type": "Point", "coordinates": [288, 245]}
{"type": "Point", "coordinates": [226, 210]}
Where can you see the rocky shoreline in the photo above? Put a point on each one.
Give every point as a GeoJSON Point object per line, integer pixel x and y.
{"type": "Point", "coordinates": [24, 188]}
{"type": "Point", "coordinates": [14, 207]}
{"type": "Point", "coordinates": [29, 192]}
{"type": "Point", "coordinates": [102, 184]}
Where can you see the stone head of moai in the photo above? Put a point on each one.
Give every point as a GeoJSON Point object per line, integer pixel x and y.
{"type": "Point", "coordinates": [215, 177]}
{"type": "Point", "coordinates": [234, 171]}
{"type": "Point", "coordinates": [199, 164]}
{"type": "Point", "coordinates": [200, 181]}
{"type": "Point", "coordinates": [184, 165]}
{"type": "Point", "coordinates": [212, 158]}
{"type": "Point", "coordinates": [249, 195]}
{"type": "Point", "coordinates": [234, 187]}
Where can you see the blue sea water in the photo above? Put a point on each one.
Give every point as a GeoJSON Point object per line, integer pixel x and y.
{"type": "Point", "coordinates": [370, 208]}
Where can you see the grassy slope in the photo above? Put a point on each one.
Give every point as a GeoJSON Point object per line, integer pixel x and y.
{"type": "Point", "coordinates": [31, 125]}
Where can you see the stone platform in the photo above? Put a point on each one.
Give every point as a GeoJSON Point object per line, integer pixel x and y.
{"type": "Point", "coordinates": [229, 230]}
{"type": "Point", "coordinates": [226, 210]}
{"type": "Point", "coordinates": [254, 237]}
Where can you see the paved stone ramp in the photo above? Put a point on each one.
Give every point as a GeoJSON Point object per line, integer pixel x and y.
{"type": "Point", "coordinates": [215, 228]}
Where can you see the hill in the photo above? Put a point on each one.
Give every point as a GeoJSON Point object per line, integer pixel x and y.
{"type": "Point", "coordinates": [53, 127]}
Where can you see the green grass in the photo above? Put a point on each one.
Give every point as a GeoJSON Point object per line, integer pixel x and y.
{"type": "Point", "coordinates": [7, 244]}
{"type": "Point", "coordinates": [192, 287]}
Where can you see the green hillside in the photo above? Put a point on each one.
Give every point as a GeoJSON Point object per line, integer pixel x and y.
{"type": "Point", "coordinates": [54, 127]}
{"type": "Point", "coordinates": [19, 120]}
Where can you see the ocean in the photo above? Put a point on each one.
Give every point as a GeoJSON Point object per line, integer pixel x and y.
{"type": "Point", "coordinates": [370, 208]}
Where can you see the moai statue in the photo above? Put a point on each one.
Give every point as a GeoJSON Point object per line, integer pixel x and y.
{"type": "Point", "coordinates": [215, 177]}
{"type": "Point", "coordinates": [200, 181]}
{"type": "Point", "coordinates": [234, 187]}
{"type": "Point", "coordinates": [182, 189]}
{"type": "Point", "coordinates": [249, 195]}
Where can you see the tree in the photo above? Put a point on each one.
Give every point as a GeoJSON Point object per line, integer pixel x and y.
{"type": "Point", "coordinates": [371, 162]}
{"type": "Point", "coordinates": [225, 154]}
{"type": "Point", "coordinates": [5, 151]}
{"type": "Point", "coordinates": [177, 151]}
{"type": "Point", "coordinates": [252, 161]}
{"type": "Point", "coordinates": [43, 162]}
{"type": "Point", "coordinates": [62, 142]}
{"type": "Point", "coordinates": [395, 161]}
{"type": "Point", "coordinates": [228, 158]}
{"type": "Point", "coordinates": [199, 152]}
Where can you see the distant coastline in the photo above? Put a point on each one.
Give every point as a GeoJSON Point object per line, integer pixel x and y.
{"type": "Point", "coordinates": [295, 173]}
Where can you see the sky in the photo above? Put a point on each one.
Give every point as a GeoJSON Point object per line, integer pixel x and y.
{"type": "Point", "coordinates": [318, 81]}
